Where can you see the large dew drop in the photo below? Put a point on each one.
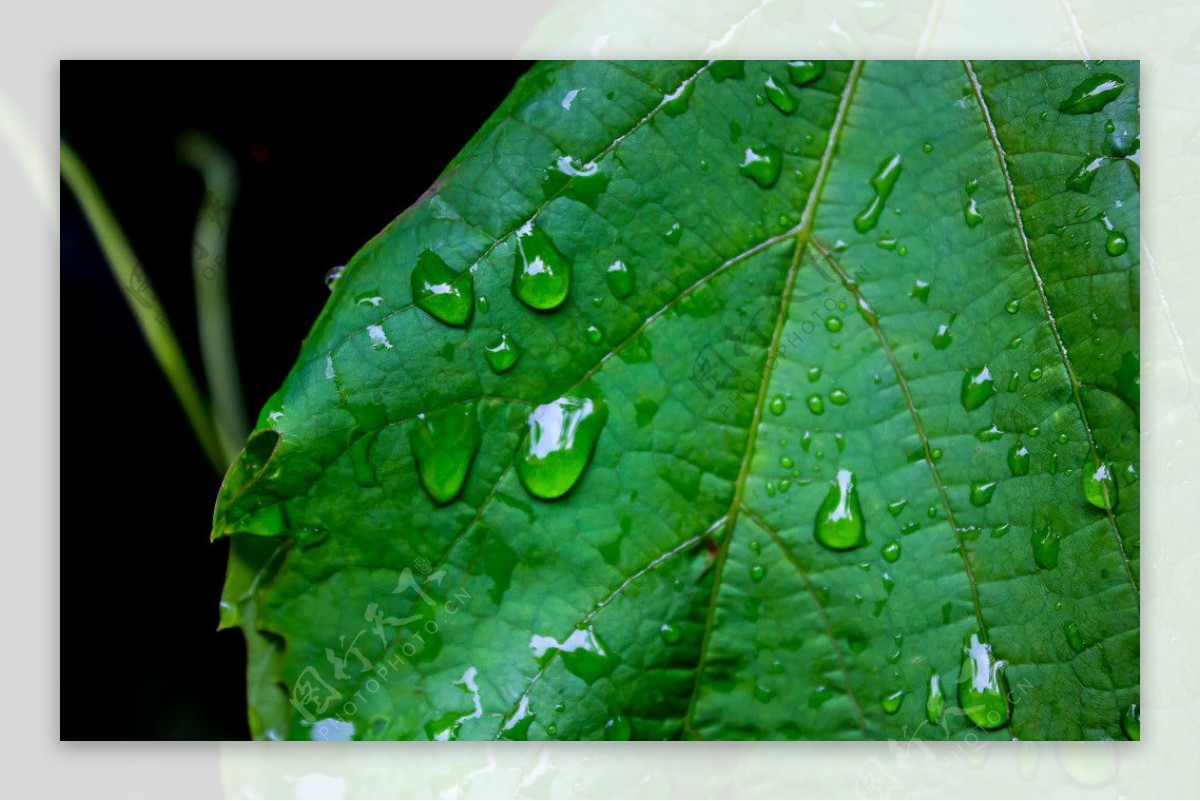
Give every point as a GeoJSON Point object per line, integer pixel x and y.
{"type": "Point", "coordinates": [977, 388]}
{"type": "Point", "coordinates": [1099, 487]}
{"type": "Point", "coordinates": [805, 72]}
{"type": "Point", "coordinates": [446, 295]}
{"type": "Point", "coordinates": [982, 690]}
{"type": "Point", "coordinates": [839, 524]}
{"type": "Point", "coordinates": [883, 182]}
{"type": "Point", "coordinates": [762, 164]}
{"type": "Point", "coordinates": [562, 436]}
{"type": "Point", "coordinates": [620, 279]}
{"type": "Point", "coordinates": [1093, 93]}
{"type": "Point", "coordinates": [1081, 180]}
{"type": "Point", "coordinates": [779, 96]}
{"type": "Point", "coordinates": [576, 180]}
{"type": "Point", "coordinates": [444, 444]}
{"type": "Point", "coordinates": [503, 354]}
{"type": "Point", "coordinates": [541, 275]}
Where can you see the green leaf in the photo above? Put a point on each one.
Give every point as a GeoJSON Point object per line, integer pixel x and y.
{"type": "Point", "coordinates": [834, 434]}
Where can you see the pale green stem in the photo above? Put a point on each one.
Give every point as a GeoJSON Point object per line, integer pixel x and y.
{"type": "Point", "coordinates": [147, 310]}
{"type": "Point", "coordinates": [209, 248]}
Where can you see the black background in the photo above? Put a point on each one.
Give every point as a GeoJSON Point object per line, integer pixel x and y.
{"type": "Point", "coordinates": [329, 153]}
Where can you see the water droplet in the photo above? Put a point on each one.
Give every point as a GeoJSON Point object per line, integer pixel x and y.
{"type": "Point", "coordinates": [935, 704]}
{"type": "Point", "coordinates": [562, 435]}
{"type": "Point", "coordinates": [927, 147]}
{"type": "Point", "coordinates": [757, 572]}
{"type": "Point", "coordinates": [896, 507]}
{"type": "Point", "coordinates": [1013, 306]}
{"type": "Point", "coordinates": [763, 165]}
{"type": "Point", "coordinates": [787, 462]}
{"type": "Point", "coordinates": [361, 463]}
{"type": "Point", "coordinates": [989, 434]}
{"type": "Point", "coordinates": [1081, 180]}
{"type": "Point", "coordinates": [673, 234]}
{"type": "Point", "coordinates": [670, 635]}
{"type": "Point", "coordinates": [779, 96]}
{"type": "Point", "coordinates": [892, 701]}
{"type": "Point", "coordinates": [1131, 722]}
{"type": "Point", "coordinates": [1018, 460]}
{"type": "Point", "coordinates": [839, 522]}
{"type": "Point", "coordinates": [676, 103]}
{"type": "Point", "coordinates": [883, 182]}
{"type": "Point", "coordinates": [833, 323]}
{"type": "Point", "coordinates": [977, 388]}
{"type": "Point", "coordinates": [1093, 93]}
{"type": "Point", "coordinates": [502, 355]}
{"type": "Point", "coordinates": [370, 298]}
{"type": "Point", "coordinates": [593, 335]}
{"type": "Point", "coordinates": [814, 374]}
{"type": "Point", "coordinates": [816, 404]}
{"type": "Point", "coordinates": [620, 279]}
{"type": "Point", "coordinates": [1074, 638]}
{"type": "Point", "coordinates": [1115, 243]}
{"type": "Point", "coordinates": [446, 295]}
{"type": "Point", "coordinates": [887, 243]}
{"type": "Point", "coordinates": [982, 690]}
{"type": "Point", "coordinates": [1046, 544]}
{"type": "Point", "coordinates": [583, 653]}
{"type": "Point", "coordinates": [722, 70]}
{"type": "Point", "coordinates": [778, 405]}
{"type": "Point", "coordinates": [971, 213]}
{"type": "Point", "coordinates": [972, 186]}
{"type": "Point", "coordinates": [805, 72]}
{"type": "Point", "coordinates": [1099, 486]}
{"type": "Point", "coordinates": [891, 551]}
{"type": "Point", "coordinates": [483, 304]}
{"type": "Point", "coordinates": [942, 338]}
{"type": "Point", "coordinates": [574, 179]}
{"type": "Point", "coordinates": [541, 275]}
{"type": "Point", "coordinates": [839, 397]}
{"type": "Point", "coordinates": [1035, 374]}
{"type": "Point", "coordinates": [931, 511]}
{"type": "Point", "coordinates": [1014, 343]}
{"type": "Point", "coordinates": [444, 444]}
{"type": "Point", "coordinates": [1000, 531]}
{"type": "Point", "coordinates": [920, 291]}
{"type": "Point", "coordinates": [333, 275]}
{"type": "Point", "coordinates": [981, 492]}
{"type": "Point", "coordinates": [1063, 439]}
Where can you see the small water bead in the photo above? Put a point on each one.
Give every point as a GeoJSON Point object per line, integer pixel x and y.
{"type": "Point", "coordinates": [444, 444]}
{"type": "Point", "coordinates": [888, 243]}
{"type": "Point", "coordinates": [806, 439]}
{"type": "Point", "coordinates": [882, 182]}
{"type": "Point", "coordinates": [562, 436]}
{"type": "Point", "coordinates": [1014, 343]}
{"type": "Point", "coordinates": [757, 572]}
{"type": "Point", "coordinates": [927, 147]}
{"type": "Point", "coordinates": [483, 304]}
{"type": "Point", "coordinates": [920, 291]}
{"type": "Point", "coordinates": [935, 454]}
{"type": "Point", "coordinates": [1081, 180]}
{"type": "Point", "coordinates": [891, 552]}
{"type": "Point", "coordinates": [778, 405]}
{"type": "Point", "coordinates": [982, 492]}
{"type": "Point", "coordinates": [1046, 544]}
{"type": "Point", "coordinates": [779, 96]}
{"type": "Point", "coordinates": [677, 102]}
{"type": "Point", "coordinates": [892, 701]}
{"type": "Point", "coordinates": [725, 69]}
{"type": "Point", "coordinates": [503, 354]}
{"type": "Point", "coordinates": [1000, 531]}
{"type": "Point", "coordinates": [814, 374]}
{"type": "Point", "coordinates": [1074, 638]}
{"type": "Point", "coordinates": [989, 434]}
{"type": "Point", "coordinates": [839, 523]}
{"type": "Point", "coordinates": [910, 527]}
{"type": "Point", "coordinates": [1099, 485]}
{"type": "Point", "coordinates": [1054, 463]}
{"type": "Point", "coordinates": [932, 512]}
{"type": "Point", "coordinates": [541, 275]}
{"type": "Point", "coordinates": [1093, 93]}
{"type": "Point", "coordinates": [763, 165]}
{"type": "Point", "coordinates": [1018, 460]}
{"type": "Point", "coordinates": [1033, 431]}
{"type": "Point", "coordinates": [896, 507]}
{"type": "Point", "coordinates": [1035, 374]}
{"type": "Point", "coordinates": [972, 186]}
{"type": "Point", "coordinates": [902, 250]}
{"type": "Point", "coordinates": [787, 462]}
{"type": "Point", "coordinates": [971, 213]}
{"type": "Point", "coordinates": [803, 73]}
{"type": "Point", "coordinates": [446, 295]}
{"type": "Point", "coordinates": [840, 441]}
{"type": "Point", "coordinates": [770, 489]}
{"type": "Point", "coordinates": [935, 704]}
{"type": "Point", "coordinates": [1115, 243]}
{"type": "Point", "coordinates": [673, 234]}
{"type": "Point", "coordinates": [618, 729]}
{"type": "Point", "coordinates": [620, 279]}
{"type": "Point", "coordinates": [982, 689]}
{"type": "Point", "coordinates": [1013, 306]}
{"type": "Point", "coordinates": [839, 397]}
{"type": "Point", "coordinates": [942, 338]}
{"type": "Point", "coordinates": [333, 275]}
{"type": "Point", "coordinates": [371, 298]}
{"type": "Point", "coordinates": [816, 404]}
{"type": "Point", "coordinates": [1131, 722]}
{"type": "Point", "coordinates": [977, 388]}
{"type": "Point", "coordinates": [1063, 439]}
{"type": "Point", "coordinates": [572, 178]}
{"type": "Point", "coordinates": [833, 323]}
